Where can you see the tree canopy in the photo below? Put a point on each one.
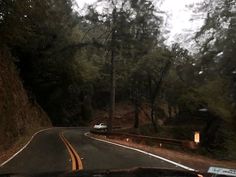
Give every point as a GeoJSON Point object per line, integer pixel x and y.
{"type": "Point", "coordinates": [73, 64]}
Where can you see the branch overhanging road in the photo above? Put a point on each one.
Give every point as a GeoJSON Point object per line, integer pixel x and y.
{"type": "Point", "coordinates": [68, 149]}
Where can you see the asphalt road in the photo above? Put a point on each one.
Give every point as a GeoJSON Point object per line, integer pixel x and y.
{"type": "Point", "coordinates": [48, 152]}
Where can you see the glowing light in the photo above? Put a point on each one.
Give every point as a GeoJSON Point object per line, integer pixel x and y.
{"type": "Point", "coordinates": [197, 137]}
{"type": "Point", "coordinates": [200, 72]}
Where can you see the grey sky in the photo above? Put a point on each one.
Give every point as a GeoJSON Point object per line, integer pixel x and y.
{"type": "Point", "coordinates": [179, 23]}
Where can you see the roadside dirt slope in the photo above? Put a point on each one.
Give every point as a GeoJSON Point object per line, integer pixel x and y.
{"type": "Point", "coordinates": [19, 116]}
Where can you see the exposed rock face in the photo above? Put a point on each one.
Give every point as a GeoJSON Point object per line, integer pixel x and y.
{"type": "Point", "coordinates": [18, 114]}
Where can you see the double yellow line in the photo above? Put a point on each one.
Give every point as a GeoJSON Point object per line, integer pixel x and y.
{"type": "Point", "coordinates": [75, 159]}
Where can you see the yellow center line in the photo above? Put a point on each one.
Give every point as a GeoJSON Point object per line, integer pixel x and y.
{"type": "Point", "coordinates": [75, 158]}
{"type": "Point", "coordinates": [73, 161]}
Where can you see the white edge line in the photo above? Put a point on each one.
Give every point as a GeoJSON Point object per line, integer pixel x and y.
{"type": "Point", "coordinates": [13, 156]}
{"type": "Point", "coordinates": [144, 152]}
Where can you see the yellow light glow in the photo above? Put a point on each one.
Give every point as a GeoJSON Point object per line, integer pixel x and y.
{"type": "Point", "coordinates": [197, 137]}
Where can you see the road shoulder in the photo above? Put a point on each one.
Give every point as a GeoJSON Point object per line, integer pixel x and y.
{"type": "Point", "coordinates": [18, 146]}
{"type": "Point", "coordinates": [197, 162]}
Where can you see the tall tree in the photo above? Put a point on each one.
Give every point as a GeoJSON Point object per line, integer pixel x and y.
{"type": "Point", "coordinates": [131, 29]}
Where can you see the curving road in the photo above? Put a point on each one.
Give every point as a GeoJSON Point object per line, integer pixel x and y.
{"type": "Point", "coordinates": [66, 149]}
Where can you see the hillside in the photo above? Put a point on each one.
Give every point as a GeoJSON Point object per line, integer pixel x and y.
{"type": "Point", "coordinates": [19, 116]}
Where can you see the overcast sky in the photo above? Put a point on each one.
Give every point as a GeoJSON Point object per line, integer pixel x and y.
{"type": "Point", "coordinates": [179, 23]}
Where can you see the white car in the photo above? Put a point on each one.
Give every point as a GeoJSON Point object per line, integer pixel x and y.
{"type": "Point", "coordinates": [100, 126]}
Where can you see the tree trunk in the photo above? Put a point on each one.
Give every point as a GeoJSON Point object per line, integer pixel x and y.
{"type": "Point", "coordinates": [176, 112]}
{"type": "Point", "coordinates": [136, 113]}
{"type": "Point", "coordinates": [169, 111]}
{"type": "Point", "coordinates": [113, 76]}
{"type": "Point", "coordinates": [153, 117]}
{"type": "Point", "coordinates": [113, 93]}
{"type": "Point", "coordinates": [153, 92]}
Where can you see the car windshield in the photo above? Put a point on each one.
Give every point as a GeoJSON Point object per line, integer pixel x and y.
{"type": "Point", "coordinates": [121, 86]}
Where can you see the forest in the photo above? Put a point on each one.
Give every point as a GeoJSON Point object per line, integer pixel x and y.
{"type": "Point", "coordinates": [73, 63]}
